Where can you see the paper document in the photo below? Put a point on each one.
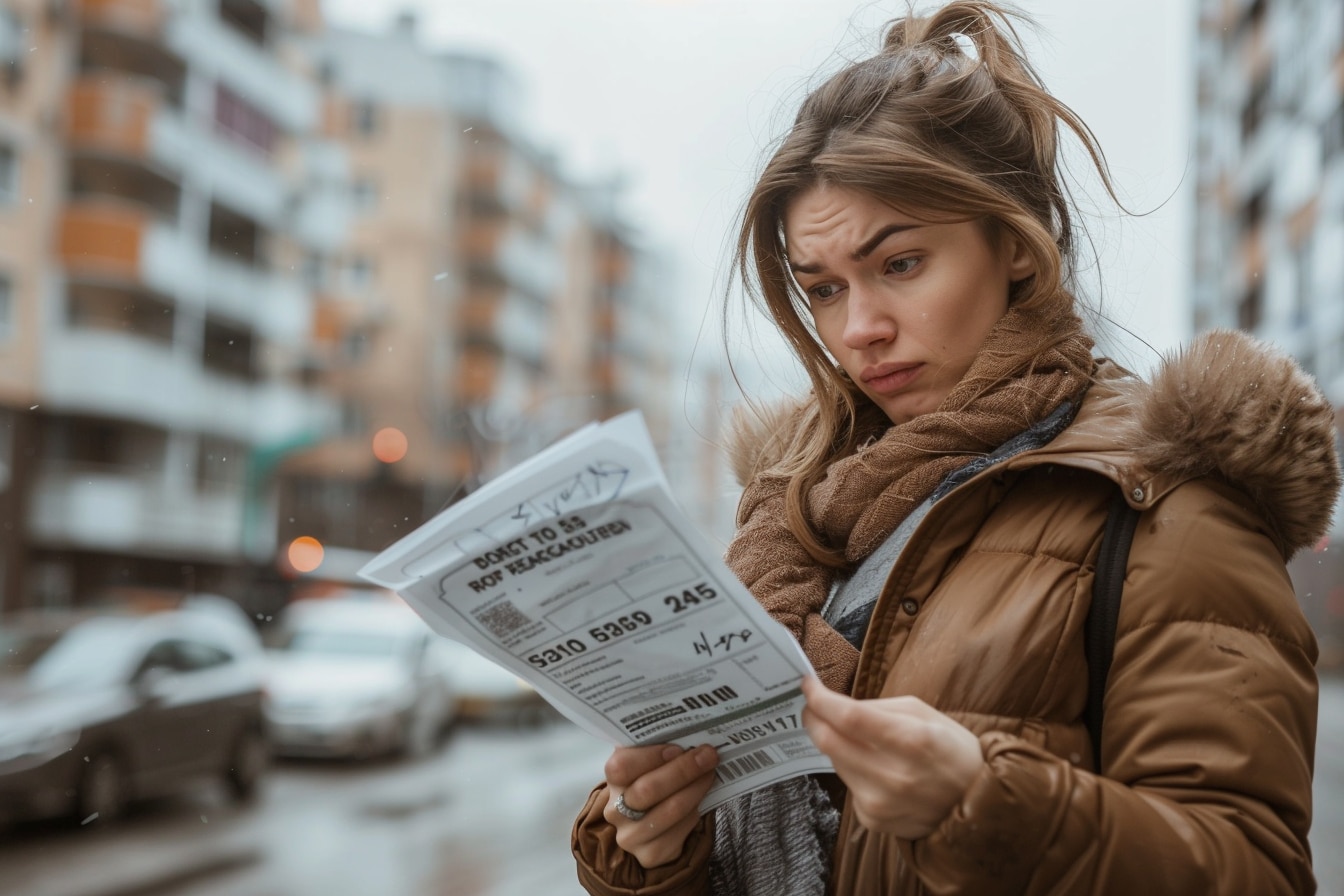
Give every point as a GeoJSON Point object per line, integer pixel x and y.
{"type": "Point", "coordinates": [577, 571]}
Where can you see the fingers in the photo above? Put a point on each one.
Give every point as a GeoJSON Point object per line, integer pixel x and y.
{"type": "Point", "coordinates": [626, 764]}
{"type": "Point", "coordinates": [670, 777]}
{"type": "Point", "coordinates": [905, 763]}
{"type": "Point", "coordinates": [668, 785]}
{"type": "Point", "coordinates": [874, 723]}
{"type": "Point", "coordinates": [660, 836]}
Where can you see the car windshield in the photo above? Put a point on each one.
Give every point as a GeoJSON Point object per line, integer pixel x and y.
{"type": "Point", "coordinates": [91, 653]}
{"type": "Point", "coordinates": [343, 642]}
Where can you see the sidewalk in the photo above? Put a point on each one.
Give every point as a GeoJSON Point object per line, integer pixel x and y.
{"type": "Point", "coordinates": [118, 862]}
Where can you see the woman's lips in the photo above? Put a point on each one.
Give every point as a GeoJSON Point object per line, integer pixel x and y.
{"type": "Point", "coordinates": [887, 378]}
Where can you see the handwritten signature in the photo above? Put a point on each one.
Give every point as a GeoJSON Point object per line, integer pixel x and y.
{"type": "Point", "coordinates": [724, 643]}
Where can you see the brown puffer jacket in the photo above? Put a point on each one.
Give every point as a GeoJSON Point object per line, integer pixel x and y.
{"type": "Point", "coordinates": [1211, 702]}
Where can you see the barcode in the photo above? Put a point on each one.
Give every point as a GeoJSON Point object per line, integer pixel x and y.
{"type": "Point", "coordinates": [752, 762]}
{"type": "Point", "coordinates": [503, 619]}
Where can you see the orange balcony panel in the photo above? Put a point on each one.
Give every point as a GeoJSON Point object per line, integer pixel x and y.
{"type": "Point", "coordinates": [604, 376]}
{"type": "Point", "coordinates": [481, 240]}
{"type": "Point", "coordinates": [478, 315]}
{"type": "Point", "coordinates": [614, 265]}
{"type": "Point", "coordinates": [113, 115]}
{"type": "Point", "coordinates": [103, 239]}
{"type": "Point", "coordinates": [477, 372]}
{"type": "Point", "coordinates": [328, 323]}
{"type": "Point", "coordinates": [604, 322]}
{"type": "Point", "coordinates": [482, 169]}
{"type": "Point", "coordinates": [134, 16]}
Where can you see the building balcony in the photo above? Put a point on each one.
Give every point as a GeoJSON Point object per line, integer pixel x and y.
{"type": "Point", "coordinates": [252, 184]}
{"type": "Point", "coordinates": [530, 263]}
{"type": "Point", "coordinates": [275, 306]}
{"type": "Point", "coordinates": [110, 509]}
{"type": "Point", "coordinates": [522, 329]}
{"type": "Point", "coordinates": [138, 17]}
{"type": "Point", "coordinates": [128, 116]}
{"type": "Point", "coordinates": [113, 114]}
{"type": "Point", "coordinates": [112, 374]}
{"type": "Point", "coordinates": [246, 68]}
{"type": "Point", "coordinates": [108, 239]}
{"type": "Point", "coordinates": [104, 238]}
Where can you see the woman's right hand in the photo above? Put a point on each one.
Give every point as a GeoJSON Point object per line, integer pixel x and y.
{"type": "Point", "coordinates": [667, 784]}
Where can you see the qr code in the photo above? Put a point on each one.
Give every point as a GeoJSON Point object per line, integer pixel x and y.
{"type": "Point", "coordinates": [503, 619]}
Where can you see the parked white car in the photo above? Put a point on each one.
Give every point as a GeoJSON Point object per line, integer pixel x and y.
{"type": "Point", "coordinates": [487, 692]}
{"type": "Point", "coordinates": [356, 677]}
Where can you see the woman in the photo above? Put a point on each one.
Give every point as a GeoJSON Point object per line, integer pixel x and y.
{"type": "Point", "coordinates": [927, 520]}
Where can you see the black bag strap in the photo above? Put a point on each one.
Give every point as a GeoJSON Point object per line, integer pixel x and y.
{"type": "Point", "coordinates": [1104, 612]}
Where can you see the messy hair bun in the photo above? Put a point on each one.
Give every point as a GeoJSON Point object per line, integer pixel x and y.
{"type": "Point", "coordinates": [948, 120]}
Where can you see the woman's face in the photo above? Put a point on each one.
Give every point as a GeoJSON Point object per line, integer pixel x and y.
{"type": "Point", "coordinates": [902, 304]}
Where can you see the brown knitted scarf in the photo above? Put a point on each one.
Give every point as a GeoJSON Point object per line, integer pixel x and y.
{"type": "Point", "coordinates": [1030, 363]}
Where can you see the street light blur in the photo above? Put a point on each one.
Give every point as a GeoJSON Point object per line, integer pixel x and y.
{"type": "Point", "coordinates": [305, 554]}
{"type": "Point", "coordinates": [390, 444]}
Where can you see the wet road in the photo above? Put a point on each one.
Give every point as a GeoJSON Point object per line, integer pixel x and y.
{"type": "Point", "coordinates": [1327, 832]}
{"type": "Point", "coordinates": [488, 815]}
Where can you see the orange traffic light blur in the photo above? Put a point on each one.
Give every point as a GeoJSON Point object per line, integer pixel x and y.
{"type": "Point", "coordinates": [305, 553]}
{"type": "Point", "coordinates": [390, 445]}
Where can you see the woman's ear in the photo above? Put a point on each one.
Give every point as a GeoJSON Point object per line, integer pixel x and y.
{"type": "Point", "coordinates": [1021, 263]}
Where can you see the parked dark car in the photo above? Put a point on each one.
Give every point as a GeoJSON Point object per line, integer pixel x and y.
{"type": "Point", "coordinates": [97, 711]}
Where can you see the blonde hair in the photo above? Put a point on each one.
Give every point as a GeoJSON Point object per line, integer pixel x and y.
{"type": "Point", "coordinates": [950, 120]}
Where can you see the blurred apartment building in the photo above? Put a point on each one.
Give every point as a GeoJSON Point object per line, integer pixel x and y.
{"type": "Point", "coordinates": [234, 247]}
{"type": "Point", "coordinates": [158, 176]}
{"type": "Point", "coordinates": [483, 305]}
{"type": "Point", "coordinates": [1269, 219]}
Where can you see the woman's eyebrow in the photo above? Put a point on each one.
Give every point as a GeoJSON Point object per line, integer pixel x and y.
{"type": "Point", "coordinates": [859, 254]}
{"type": "Point", "coordinates": [876, 239]}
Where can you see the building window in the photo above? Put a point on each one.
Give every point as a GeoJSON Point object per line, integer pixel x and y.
{"type": "Point", "coordinates": [314, 270]}
{"type": "Point", "coordinates": [220, 464]}
{"type": "Point", "coordinates": [1253, 212]}
{"type": "Point", "coordinates": [355, 346]}
{"type": "Point", "coordinates": [1251, 308]}
{"type": "Point", "coordinates": [359, 273]}
{"type": "Point", "coordinates": [1257, 104]}
{"type": "Point", "coordinates": [229, 350]}
{"type": "Point", "coordinates": [1303, 262]}
{"type": "Point", "coordinates": [1333, 133]}
{"type": "Point", "coordinates": [11, 48]}
{"type": "Point", "coordinates": [243, 123]}
{"type": "Point", "coordinates": [9, 174]}
{"type": "Point", "coordinates": [247, 17]}
{"type": "Point", "coordinates": [364, 192]}
{"type": "Point", "coordinates": [364, 118]}
{"type": "Point", "coordinates": [353, 421]}
{"type": "Point", "coordinates": [6, 448]}
{"type": "Point", "coordinates": [6, 308]}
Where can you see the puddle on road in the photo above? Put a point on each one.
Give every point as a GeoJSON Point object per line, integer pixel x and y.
{"type": "Point", "coordinates": [395, 810]}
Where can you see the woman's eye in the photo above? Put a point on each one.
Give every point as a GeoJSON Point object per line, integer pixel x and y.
{"type": "Point", "coordinates": [825, 291]}
{"type": "Point", "coordinates": [902, 265]}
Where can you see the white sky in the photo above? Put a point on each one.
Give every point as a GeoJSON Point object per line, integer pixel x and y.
{"type": "Point", "coordinates": [682, 97]}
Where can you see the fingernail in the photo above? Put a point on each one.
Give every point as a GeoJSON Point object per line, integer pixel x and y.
{"type": "Point", "coordinates": [706, 757]}
{"type": "Point", "coordinates": [670, 752]}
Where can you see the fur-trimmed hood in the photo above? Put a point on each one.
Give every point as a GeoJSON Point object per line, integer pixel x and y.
{"type": "Point", "coordinates": [1227, 405]}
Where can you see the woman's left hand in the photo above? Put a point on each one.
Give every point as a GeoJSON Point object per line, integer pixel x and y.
{"type": "Point", "coordinates": [905, 763]}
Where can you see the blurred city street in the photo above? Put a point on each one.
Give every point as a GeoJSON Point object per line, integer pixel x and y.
{"type": "Point", "coordinates": [488, 815]}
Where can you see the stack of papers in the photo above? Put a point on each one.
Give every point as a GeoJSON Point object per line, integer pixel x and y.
{"type": "Point", "coordinates": [577, 571]}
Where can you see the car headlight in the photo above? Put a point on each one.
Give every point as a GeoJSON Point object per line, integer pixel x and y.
{"type": "Point", "coordinates": [35, 747]}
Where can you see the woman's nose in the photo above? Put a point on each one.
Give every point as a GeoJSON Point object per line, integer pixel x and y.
{"type": "Point", "coordinates": [868, 321]}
